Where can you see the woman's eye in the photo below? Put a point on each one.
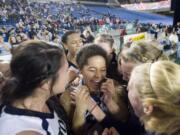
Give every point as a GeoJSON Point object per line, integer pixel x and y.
{"type": "Point", "coordinates": [92, 70]}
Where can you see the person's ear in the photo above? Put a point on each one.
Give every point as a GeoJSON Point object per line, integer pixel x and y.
{"type": "Point", "coordinates": [45, 85]}
{"type": "Point", "coordinates": [148, 109]}
{"type": "Point", "coordinates": [65, 46]}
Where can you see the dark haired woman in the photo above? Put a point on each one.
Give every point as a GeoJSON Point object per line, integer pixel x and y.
{"type": "Point", "coordinates": [98, 101]}
{"type": "Point", "coordinates": [38, 74]}
{"type": "Point", "coordinates": [72, 42]}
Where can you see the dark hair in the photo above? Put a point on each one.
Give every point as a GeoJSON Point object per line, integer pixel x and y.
{"type": "Point", "coordinates": [65, 36]}
{"type": "Point", "coordinates": [32, 63]}
{"type": "Point", "coordinates": [89, 51]}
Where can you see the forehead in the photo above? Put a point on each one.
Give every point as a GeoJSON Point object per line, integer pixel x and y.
{"type": "Point", "coordinates": [105, 44]}
{"type": "Point", "coordinates": [128, 65]}
{"type": "Point", "coordinates": [96, 61]}
{"type": "Point", "coordinates": [73, 36]}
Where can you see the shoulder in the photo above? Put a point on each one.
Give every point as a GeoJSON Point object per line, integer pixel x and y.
{"type": "Point", "coordinates": [22, 123]}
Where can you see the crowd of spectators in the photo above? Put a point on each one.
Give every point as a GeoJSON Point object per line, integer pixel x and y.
{"type": "Point", "coordinates": [49, 21]}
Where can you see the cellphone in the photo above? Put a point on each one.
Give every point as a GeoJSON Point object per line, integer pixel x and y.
{"type": "Point", "coordinates": [103, 80]}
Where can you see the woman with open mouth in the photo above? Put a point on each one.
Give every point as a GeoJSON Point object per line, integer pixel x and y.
{"type": "Point", "coordinates": [97, 102]}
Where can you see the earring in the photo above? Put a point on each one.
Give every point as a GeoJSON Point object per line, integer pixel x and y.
{"type": "Point", "coordinates": [148, 109]}
{"type": "Point", "coordinates": [145, 110]}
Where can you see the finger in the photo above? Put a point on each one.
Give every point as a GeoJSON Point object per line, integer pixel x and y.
{"type": "Point", "coordinates": [86, 95]}
{"type": "Point", "coordinates": [72, 97]}
{"type": "Point", "coordinates": [113, 131]}
{"type": "Point", "coordinates": [83, 87]}
{"type": "Point", "coordinates": [74, 93]}
{"type": "Point", "coordinates": [105, 132]}
{"type": "Point", "coordinates": [82, 92]}
{"type": "Point", "coordinates": [109, 80]}
{"type": "Point", "coordinates": [104, 85]}
{"type": "Point", "coordinates": [73, 102]}
{"type": "Point", "coordinates": [104, 89]}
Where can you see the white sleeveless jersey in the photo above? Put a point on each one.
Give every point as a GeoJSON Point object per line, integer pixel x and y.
{"type": "Point", "coordinates": [14, 120]}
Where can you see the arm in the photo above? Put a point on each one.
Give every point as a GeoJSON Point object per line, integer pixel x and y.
{"type": "Point", "coordinates": [74, 112]}
{"type": "Point", "coordinates": [78, 121]}
{"type": "Point", "coordinates": [79, 98]}
{"type": "Point", "coordinates": [65, 101]}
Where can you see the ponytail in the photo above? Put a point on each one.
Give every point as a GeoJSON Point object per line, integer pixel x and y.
{"type": "Point", "coordinates": [8, 90]}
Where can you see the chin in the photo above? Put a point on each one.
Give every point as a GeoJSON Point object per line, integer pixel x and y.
{"type": "Point", "coordinates": [93, 89]}
{"type": "Point", "coordinates": [138, 114]}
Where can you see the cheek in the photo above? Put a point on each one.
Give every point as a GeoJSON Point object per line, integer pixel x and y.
{"type": "Point", "coordinates": [135, 103]}
{"type": "Point", "coordinates": [125, 77]}
{"type": "Point", "coordinates": [133, 99]}
{"type": "Point", "coordinates": [64, 78]}
{"type": "Point", "coordinates": [103, 75]}
{"type": "Point", "coordinates": [125, 73]}
{"type": "Point", "coordinates": [130, 97]}
{"type": "Point", "coordinates": [61, 82]}
{"type": "Point", "coordinates": [87, 76]}
{"type": "Point", "coordinates": [71, 48]}
{"type": "Point", "coordinates": [119, 69]}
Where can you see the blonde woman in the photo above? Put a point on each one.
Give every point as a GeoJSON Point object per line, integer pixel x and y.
{"type": "Point", "coordinates": [138, 53]}
{"type": "Point", "coordinates": [156, 99]}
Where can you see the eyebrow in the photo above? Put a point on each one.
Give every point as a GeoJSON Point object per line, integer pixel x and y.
{"type": "Point", "coordinates": [96, 68]}
{"type": "Point", "coordinates": [91, 67]}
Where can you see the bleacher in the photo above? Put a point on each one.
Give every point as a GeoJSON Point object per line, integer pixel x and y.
{"type": "Point", "coordinates": [131, 15]}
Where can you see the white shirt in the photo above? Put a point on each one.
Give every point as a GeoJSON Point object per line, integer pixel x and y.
{"type": "Point", "coordinates": [14, 120]}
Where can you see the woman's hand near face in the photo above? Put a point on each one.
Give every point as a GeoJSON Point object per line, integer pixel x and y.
{"type": "Point", "coordinates": [108, 89]}
{"type": "Point", "coordinates": [80, 98]}
{"type": "Point", "coordinates": [113, 101]}
{"type": "Point", "coordinates": [109, 92]}
{"type": "Point", "coordinates": [72, 74]}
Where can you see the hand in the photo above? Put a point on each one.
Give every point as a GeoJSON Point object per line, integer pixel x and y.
{"type": "Point", "coordinates": [111, 131]}
{"type": "Point", "coordinates": [108, 89]}
{"type": "Point", "coordinates": [76, 82]}
{"type": "Point", "coordinates": [72, 74]}
{"type": "Point", "coordinates": [79, 98]}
